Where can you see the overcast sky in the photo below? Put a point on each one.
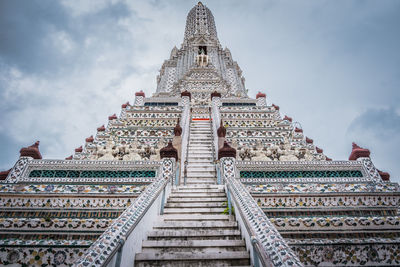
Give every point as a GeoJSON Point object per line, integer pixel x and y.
{"type": "Point", "coordinates": [334, 66]}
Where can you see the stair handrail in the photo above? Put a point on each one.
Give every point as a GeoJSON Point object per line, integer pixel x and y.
{"type": "Point", "coordinates": [268, 245]}
{"type": "Point", "coordinates": [185, 124]}
{"type": "Point", "coordinates": [109, 246]}
{"type": "Point", "coordinates": [215, 118]}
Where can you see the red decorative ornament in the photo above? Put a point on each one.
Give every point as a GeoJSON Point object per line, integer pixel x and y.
{"type": "Point", "coordinates": [112, 117]}
{"type": "Point", "coordinates": [260, 95]}
{"type": "Point", "coordinates": [101, 128]}
{"type": "Point", "coordinates": [31, 151]}
{"type": "Point", "coordinates": [298, 130]}
{"type": "Point", "coordinates": [287, 118]}
{"type": "Point", "coordinates": [125, 105]}
{"type": "Point", "coordinates": [4, 174]}
{"type": "Point", "coordinates": [90, 139]}
{"type": "Point", "coordinates": [309, 140]}
{"type": "Point", "coordinates": [358, 152]}
{"type": "Point", "coordinates": [79, 149]}
{"type": "Point", "coordinates": [186, 93]}
{"type": "Point", "coordinates": [384, 175]}
{"type": "Point", "coordinates": [215, 94]}
{"type": "Point", "coordinates": [140, 93]}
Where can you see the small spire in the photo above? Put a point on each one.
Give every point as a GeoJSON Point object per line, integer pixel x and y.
{"type": "Point", "coordinates": [226, 151]}
{"type": "Point", "coordinates": [199, 3]}
{"type": "Point", "coordinates": [178, 129]}
{"type": "Point", "coordinates": [169, 152]}
{"type": "Point", "coordinates": [221, 131]}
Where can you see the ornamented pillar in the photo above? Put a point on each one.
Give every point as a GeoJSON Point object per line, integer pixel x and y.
{"type": "Point", "coordinates": [261, 99]}
{"type": "Point", "coordinates": [139, 98]}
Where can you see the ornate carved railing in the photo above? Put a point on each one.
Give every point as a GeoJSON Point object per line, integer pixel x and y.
{"type": "Point", "coordinates": [269, 248]}
{"type": "Point", "coordinates": [119, 243]}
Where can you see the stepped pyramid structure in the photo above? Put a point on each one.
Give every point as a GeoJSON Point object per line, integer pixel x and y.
{"type": "Point", "coordinates": [199, 174]}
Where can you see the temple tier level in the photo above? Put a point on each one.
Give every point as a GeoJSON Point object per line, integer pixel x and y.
{"type": "Point", "coordinates": [199, 174]}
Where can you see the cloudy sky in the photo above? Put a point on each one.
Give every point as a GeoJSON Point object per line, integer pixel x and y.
{"type": "Point", "coordinates": [334, 66]}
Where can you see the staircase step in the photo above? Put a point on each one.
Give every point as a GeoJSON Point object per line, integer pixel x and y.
{"type": "Point", "coordinates": [210, 177]}
{"type": "Point", "coordinates": [195, 217]}
{"type": "Point", "coordinates": [193, 210]}
{"type": "Point", "coordinates": [195, 224]}
{"type": "Point", "coordinates": [182, 195]}
{"type": "Point", "coordinates": [196, 199]}
{"type": "Point", "coordinates": [200, 165]}
{"type": "Point", "coordinates": [196, 205]}
{"type": "Point", "coordinates": [197, 190]}
{"type": "Point", "coordinates": [183, 187]}
{"type": "Point", "coordinates": [193, 233]}
{"type": "Point", "coordinates": [178, 256]}
{"type": "Point", "coordinates": [202, 181]}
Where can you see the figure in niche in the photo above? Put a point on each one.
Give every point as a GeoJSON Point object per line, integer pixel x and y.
{"type": "Point", "coordinates": [202, 57]}
{"type": "Point", "coordinates": [288, 153]}
{"type": "Point", "coordinates": [131, 152]}
{"type": "Point", "coordinates": [107, 152]}
{"type": "Point", "coordinates": [259, 152]}
{"type": "Point", "coordinates": [246, 153]}
{"type": "Point", "coordinates": [274, 152]}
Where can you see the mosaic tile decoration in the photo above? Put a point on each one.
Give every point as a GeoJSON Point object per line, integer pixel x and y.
{"type": "Point", "coordinates": [299, 174]}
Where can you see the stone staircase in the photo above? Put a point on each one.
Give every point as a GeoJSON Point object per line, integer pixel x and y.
{"type": "Point", "coordinates": [193, 231]}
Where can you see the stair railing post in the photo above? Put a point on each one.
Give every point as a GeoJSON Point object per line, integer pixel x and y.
{"type": "Point", "coordinates": [218, 172]}
{"type": "Point", "coordinates": [256, 260]}
{"type": "Point", "coordinates": [185, 173]}
{"type": "Point", "coordinates": [229, 201]}
{"type": "Point", "coordinates": [162, 202]}
{"type": "Point", "coordinates": [185, 124]}
{"type": "Point", "coordinates": [177, 173]}
{"type": "Point", "coordinates": [119, 253]}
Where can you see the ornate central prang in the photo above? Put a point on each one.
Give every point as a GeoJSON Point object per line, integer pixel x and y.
{"type": "Point", "coordinates": [201, 66]}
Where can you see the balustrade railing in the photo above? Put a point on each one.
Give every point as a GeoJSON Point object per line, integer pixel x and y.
{"type": "Point", "coordinates": [122, 240]}
{"type": "Point", "coordinates": [268, 246]}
